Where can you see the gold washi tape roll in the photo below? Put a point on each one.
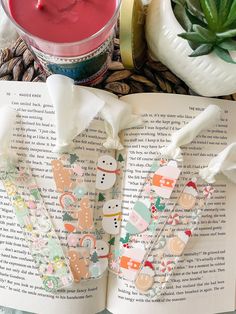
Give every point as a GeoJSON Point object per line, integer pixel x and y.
{"type": "Point", "coordinates": [132, 34]}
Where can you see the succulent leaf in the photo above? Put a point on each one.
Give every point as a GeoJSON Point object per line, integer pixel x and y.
{"type": "Point", "coordinates": [195, 20]}
{"type": "Point", "coordinates": [211, 13]}
{"type": "Point", "coordinates": [227, 34]}
{"type": "Point", "coordinates": [182, 17]}
{"type": "Point", "coordinates": [228, 44]}
{"type": "Point", "coordinates": [224, 55]}
{"type": "Point", "coordinates": [223, 10]}
{"type": "Point", "coordinates": [202, 50]}
{"type": "Point", "coordinates": [231, 16]}
{"type": "Point", "coordinates": [210, 26]}
{"type": "Point", "coordinates": [193, 36]}
{"type": "Point", "coordinates": [194, 8]}
{"type": "Point", "coordinates": [208, 35]}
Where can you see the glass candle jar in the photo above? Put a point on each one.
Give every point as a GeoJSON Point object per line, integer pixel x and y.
{"type": "Point", "coordinates": [69, 37]}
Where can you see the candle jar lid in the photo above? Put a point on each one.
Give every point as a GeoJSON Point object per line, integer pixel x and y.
{"type": "Point", "coordinates": [132, 34]}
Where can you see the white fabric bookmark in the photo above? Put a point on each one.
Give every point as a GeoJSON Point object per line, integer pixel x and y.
{"type": "Point", "coordinates": [7, 121]}
{"type": "Point", "coordinates": [224, 162]}
{"type": "Point", "coordinates": [185, 135]}
{"type": "Point", "coordinates": [77, 106]}
{"type": "Point", "coordinates": [118, 116]}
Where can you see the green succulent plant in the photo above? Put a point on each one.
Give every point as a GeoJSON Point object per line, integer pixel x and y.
{"type": "Point", "coordinates": [210, 26]}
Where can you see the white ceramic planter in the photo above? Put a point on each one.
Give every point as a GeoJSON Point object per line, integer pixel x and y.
{"type": "Point", "coordinates": [206, 75]}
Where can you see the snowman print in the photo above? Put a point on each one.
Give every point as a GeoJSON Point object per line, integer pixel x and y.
{"type": "Point", "coordinates": [106, 172]}
{"type": "Point", "coordinates": [112, 216]}
{"type": "Point", "coordinates": [102, 250]}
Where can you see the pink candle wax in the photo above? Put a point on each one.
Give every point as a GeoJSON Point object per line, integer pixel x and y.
{"type": "Point", "coordinates": [69, 37]}
{"type": "Point", "coordinates": [65, 21]}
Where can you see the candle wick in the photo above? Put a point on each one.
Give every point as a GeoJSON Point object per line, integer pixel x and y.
{"type": "Point", "coordinates": [39, 5]}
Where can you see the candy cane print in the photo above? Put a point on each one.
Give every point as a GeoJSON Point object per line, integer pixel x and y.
{"type": "Point", "coordinates": [191, 202]}
{"type": "Point", "coordinates": [174, 236]}
{"type": "Point", "coordinates": [162, 178]}
{"type": "Point", "coordinates": [165, 171]}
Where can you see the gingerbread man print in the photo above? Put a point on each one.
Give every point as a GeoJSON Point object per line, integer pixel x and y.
{"type": "Point", "coordinates": [62, 176]}
{"type": "Point", "coordinates": [79, 263]}
{"type": "Point", "coordinates": [85, 215]}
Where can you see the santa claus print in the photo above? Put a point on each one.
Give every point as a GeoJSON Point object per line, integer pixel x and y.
{"type": "Point", "coordinates": [145, 278]}
{"type": "Point", "coordinates": [188, 198]}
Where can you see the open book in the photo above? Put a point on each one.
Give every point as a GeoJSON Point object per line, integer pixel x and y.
{"type": "Point", "coordinates": [204, 281]}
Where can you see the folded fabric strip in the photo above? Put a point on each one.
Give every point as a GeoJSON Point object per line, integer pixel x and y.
{"type": "Point", "coordinates": [186, 134]}
{"type": "Point", "coordinates": [76, 107]}
{"type": "Point", "coordinates": [7, 121]}
{"type": "Point", "coordinates": [224, 163]}
{"type": "Point", "coordinates": [118, 116]}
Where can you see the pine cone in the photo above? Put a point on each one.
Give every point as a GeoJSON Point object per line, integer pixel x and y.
{"type": "Point", "coordinates": [17, 63]}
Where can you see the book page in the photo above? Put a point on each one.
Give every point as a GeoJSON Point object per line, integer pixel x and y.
{"type": "Point", "coordinates": [34, 140]}
{"type": "Point", "coordinates": [204, 280]}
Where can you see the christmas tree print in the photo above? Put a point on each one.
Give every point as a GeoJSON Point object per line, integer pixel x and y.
{"type": "Point", "coordinates": [99, 233]}
{"type": "Point", "coordinates": [112, 241]}
{"type": "Point", "coordinates": [126, 239]}
{"type": "Point", "coordinates": [94, 257]}
{"type": "Point", "coordinates": [67, 217]}
{"type": "Point", "coordinates": [101, 197]}
{"type": "Point", "coordinates": [120, 158]}
{"type": "Point", "coordinates": [73, 158]}
{"type": "Point", "coordinates": [160, 207]}
{"type": "Point", "coordinates": [35, 193]}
